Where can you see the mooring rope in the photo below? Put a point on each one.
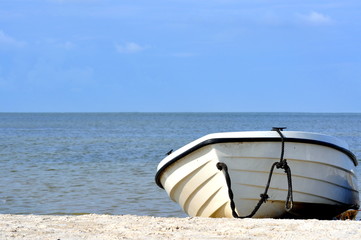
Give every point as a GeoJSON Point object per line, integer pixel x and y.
{"type": "Point", "coordinates": [283, 165]}
{"type": "Point", "coordinates": [264, 196]}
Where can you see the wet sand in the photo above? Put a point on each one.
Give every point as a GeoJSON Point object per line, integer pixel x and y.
{"type": "Point", "coordinates": [93, 226]}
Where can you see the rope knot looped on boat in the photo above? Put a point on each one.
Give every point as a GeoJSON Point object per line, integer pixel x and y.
{"type": "Point", "coordinates": [264, 197]}
{"type": "Point", "coordinates": [282, 164]}
{"type": "Point", "coordinates": [222, 166]}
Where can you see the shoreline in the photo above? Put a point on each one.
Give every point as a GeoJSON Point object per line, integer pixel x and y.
{"type": "Point", "coordinates": [108, 227]}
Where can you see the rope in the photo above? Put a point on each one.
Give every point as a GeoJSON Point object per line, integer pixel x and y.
{"type": "Point", "coordinates": [223, 167]}
{"type": "Point", "coordinates": [264, 196]}
{"type": "Point", "coordinates": [283, 165]}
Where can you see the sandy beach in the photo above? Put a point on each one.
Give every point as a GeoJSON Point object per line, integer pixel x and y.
{"type": "Point", "coordinates": [93, 226]}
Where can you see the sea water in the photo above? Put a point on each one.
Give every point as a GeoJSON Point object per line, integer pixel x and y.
{"type": "Point", "coordinates": [105, 163]}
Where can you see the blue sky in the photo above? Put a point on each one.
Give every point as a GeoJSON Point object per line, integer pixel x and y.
{"type": "Point", "coordinates": [180, 56]}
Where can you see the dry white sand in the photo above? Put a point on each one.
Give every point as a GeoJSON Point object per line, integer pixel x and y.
{"type": "Point", "coordinates": [144, 227]}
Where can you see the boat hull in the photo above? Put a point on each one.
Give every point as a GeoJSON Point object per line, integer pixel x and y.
{"type": "Point", "coordinates": [324, 183]}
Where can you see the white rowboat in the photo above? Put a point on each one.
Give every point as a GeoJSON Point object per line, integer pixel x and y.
{"type": "Point", "coordinates": [320, 183]}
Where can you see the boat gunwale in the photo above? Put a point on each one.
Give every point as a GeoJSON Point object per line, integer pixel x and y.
{"type": "Point", "coordinates": [249, 139]}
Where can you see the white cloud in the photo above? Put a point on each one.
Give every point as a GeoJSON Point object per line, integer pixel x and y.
{"type": "Point", "coordinates": [315, 18]}
{"type": "Point", "coordinates": [7, 41]}
{"type": "Point", "coordinates": [130, 47]}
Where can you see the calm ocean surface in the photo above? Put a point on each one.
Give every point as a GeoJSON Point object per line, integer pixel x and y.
{"type": "Point", "coordinates": [73, 163]}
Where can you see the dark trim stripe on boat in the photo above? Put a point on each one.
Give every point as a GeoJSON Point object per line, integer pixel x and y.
{"type": "Point", "coordinates": [231, 140]}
